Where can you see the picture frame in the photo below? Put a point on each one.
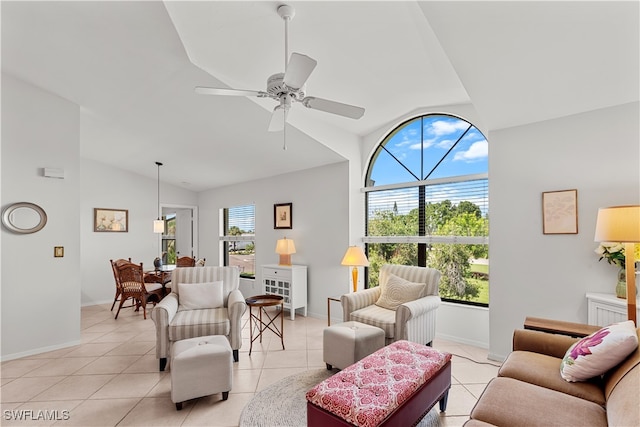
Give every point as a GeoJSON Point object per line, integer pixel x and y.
{"type": "Point", "coordinates": [110, 220]}
{"type": "Point", "coordinates": [560, 212]}
{"type": "Point", "coordinates": [282, 216]}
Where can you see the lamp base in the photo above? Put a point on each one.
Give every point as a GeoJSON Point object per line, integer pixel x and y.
{"type": "Point", "coordinates": [354, 276]}
{"type": "Point", "coordinates": [284, 259]}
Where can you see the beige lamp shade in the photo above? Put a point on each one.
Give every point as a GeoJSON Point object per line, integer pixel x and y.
{"type": "Point", "coordinates": [618, 224]}
{"type": "Point", "coordinates": [355, 257]}
{"type": "Point", "coordinates": [158, 226]}
{"type": "Point", "coordinates": [285, 247]}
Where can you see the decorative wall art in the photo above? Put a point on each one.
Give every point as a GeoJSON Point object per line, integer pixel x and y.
{"type": "Point", "coordinates": [282, 216]}
{"type": "Point", "coordinates": [560, 212]}
{"type": "Point", "coordinates": [110, 220]}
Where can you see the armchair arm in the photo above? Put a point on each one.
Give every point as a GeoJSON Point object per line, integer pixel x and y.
{"type": "Point", "coordinates": [416, 320]}
{"type": "Point", "coordinates": [358, 300]}
{"type": "Point", "coordinates": [236, 306]}
{"type": "Point", "coordinates": [542, 342]}
{"type": "Point", "coordinates": [162, 314]}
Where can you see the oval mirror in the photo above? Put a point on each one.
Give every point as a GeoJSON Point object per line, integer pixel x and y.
{"type": "Point", "coordinates": [24, 218]}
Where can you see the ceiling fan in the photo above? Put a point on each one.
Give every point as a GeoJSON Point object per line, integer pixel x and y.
{"type": "Point", "coordinates": [289, 87]}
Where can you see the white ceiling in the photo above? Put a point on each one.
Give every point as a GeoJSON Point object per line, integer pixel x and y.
{"type": "Point", "coordinates": [132, 67]}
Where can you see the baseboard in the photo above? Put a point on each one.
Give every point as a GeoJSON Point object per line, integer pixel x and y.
{"type": "Point", "coordinates": [31, 352]}
{"type": "Point", "coordinates": [454, 338]}
{"type": "Point", "coordinates": [496, 357]}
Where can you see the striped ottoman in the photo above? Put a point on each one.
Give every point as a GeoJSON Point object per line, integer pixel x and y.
{"type": "Point", "coordinates": [395, 386]}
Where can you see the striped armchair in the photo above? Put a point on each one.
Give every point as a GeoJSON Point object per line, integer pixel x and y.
{"type": "Point", "coordinates": [174, 322]}
{"type": "Point", "coordinates": [413, 321]}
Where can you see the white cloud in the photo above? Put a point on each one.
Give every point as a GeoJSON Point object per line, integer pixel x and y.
{"type": "Point", "coordinates": [478, 150]}
{"type": "Point", "coordinates": [446, 127]}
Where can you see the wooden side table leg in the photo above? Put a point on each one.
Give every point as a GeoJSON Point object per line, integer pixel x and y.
{"type": "Point", "coordinates": [282, 324]}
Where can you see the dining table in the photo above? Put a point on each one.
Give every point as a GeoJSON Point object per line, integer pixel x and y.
{"type": "Point", "coordinates": [162, 275]}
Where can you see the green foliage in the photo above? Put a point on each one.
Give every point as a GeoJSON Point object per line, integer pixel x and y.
{"type": "Point", "coordinates": [459, 280]}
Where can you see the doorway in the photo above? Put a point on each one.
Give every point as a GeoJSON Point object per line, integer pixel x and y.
{"type": "Point", "coordinates": [181, 236]}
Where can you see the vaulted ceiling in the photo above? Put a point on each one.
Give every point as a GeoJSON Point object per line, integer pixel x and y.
{"type": "Point", "coordinates": [132, 68]}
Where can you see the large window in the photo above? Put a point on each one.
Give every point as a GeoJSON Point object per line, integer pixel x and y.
{"type": "Point", "coordinates": [238, 237]}
{"type": "Point", "coordinates": [427, 204]}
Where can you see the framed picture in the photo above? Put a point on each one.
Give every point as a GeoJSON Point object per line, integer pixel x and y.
{"type": "Point", "coordinates": [282, 215]}
{"type": "Point", "coordinates": [560, 212]}
{"type": "Point", "coordinates": [110, 220]}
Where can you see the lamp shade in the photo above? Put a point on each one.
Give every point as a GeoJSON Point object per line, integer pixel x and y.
{"type": "Point", "coordinates": [285, 247]}
{"type": "Point", "coordinates": [355, 257]}
{"type": "Point", "coordinates": [158, 226]}
{"type": "Point", "coordinates": [618, 224]}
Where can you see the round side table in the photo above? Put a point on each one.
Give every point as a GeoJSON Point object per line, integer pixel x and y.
{"type": "Point", "coordinates": [256, 325]}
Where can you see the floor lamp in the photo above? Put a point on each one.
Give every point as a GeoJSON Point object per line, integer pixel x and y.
{"type": "Point", "coordinates": [622, 224]}
{"type": "Point", "coordinates": [355, 257]}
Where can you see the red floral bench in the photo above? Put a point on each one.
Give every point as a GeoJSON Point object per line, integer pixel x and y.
{"type": "Point", "coordinates": [395, 386]}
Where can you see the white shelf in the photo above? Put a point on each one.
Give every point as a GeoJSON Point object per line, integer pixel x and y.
{"type": "Point", "coordinates": [289, 282]}
{"type": "Point", "coordinates": [605, 309]}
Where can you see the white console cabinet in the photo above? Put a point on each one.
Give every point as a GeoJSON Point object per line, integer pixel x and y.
{"type": "Point", "coordinates": [288, 281]}
{"type": "Point", "coordinates": [605, 309]}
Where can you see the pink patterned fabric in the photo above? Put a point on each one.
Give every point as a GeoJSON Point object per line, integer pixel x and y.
{"type": "Point", "coordinates": [369, 390]}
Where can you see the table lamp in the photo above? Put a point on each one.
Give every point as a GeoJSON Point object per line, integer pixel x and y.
{"type": "Point", "coordinates": [622, 224]}
{"type": "Point", "coordinates": [355, 257]}
{"type": "Point", "coordinates": [285, 247]}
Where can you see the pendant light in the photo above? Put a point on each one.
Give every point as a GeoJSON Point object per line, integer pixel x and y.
{"type": "Point", "coordinates": [158, 224]}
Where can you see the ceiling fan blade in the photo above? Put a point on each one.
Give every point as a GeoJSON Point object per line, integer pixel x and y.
{"type": "Point", "coordinates": [333, 107]}
{"type": "Point", "coordinates": [233, 92]}
{"type": "Point", "coordinates": [278, 117]}
{"type": "Point", "coordinates": [298, 70]}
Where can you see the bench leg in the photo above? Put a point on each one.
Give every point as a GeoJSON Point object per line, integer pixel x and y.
{"type": "Point", "coordinates": [443, 401]}
{"type": "Point", "coordinates": [235, 355]}
{"type": "Point", "coordinates": [179, 406]}
{"type": "Point", "coordinates": [225, 395]}
{"type": "Point", "coordinates": [329, 367]}
{"type": "Point", "coordinates": [163, 363]}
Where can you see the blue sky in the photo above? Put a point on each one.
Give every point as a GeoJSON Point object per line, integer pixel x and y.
{"type": "Point", "coordinates": [434, 138]}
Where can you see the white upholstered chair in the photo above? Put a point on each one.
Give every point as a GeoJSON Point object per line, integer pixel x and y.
{"type": "Point", "coordinates": [175, 322]}
{"type": "Point", "coordinates": [413, 320]}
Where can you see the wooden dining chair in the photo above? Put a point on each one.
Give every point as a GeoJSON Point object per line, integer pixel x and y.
{"type": "Point", "coordinates": [115, 277]}
{"type": "Point", "coordinates": [186, 261]}
{"type": "Point", "coordinates": [131, 279]}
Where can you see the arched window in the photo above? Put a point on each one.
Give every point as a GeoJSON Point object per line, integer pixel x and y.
{"type": "Point", "coordinates": [427, 204]}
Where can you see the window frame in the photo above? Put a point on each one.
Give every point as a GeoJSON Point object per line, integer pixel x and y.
{"type": "Point", "coordinates": [227, 239]}
{"type": "Point", "coordinates": [423, 239]}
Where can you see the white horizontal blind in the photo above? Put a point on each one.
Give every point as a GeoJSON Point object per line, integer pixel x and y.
{"type": "Point", "coordinates": [242, 218]}
{"type": "Point", "coordinates": [401, 200]}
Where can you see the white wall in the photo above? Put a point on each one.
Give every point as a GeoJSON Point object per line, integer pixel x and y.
{"type": "Point", "coordinates": [320, 226]}
{"type": "Point", "coordinates": [108, 187]}
{"type": "Point", "coordinates": [597, 153]}
{"type": "Point", "coordinates": [40, 293]}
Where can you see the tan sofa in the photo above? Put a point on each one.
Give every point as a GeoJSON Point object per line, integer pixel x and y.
{"type": "Point", "coordinates": [529, 390]}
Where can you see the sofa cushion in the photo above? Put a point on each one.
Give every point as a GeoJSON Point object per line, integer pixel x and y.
{"type": "Point", "coordinates": [543, 370]}
{"type": "Point", "coordinates": [397, 291]}
{"type": "Point", "coordinates": [509, 402]}
{"type": "Point", "coordinates": [197, 323]}
{"type": "Point", "coordinates": [196, 296]}
{"type": "Point", "coordinates": [595, 354]}
{"type": "Point", "coordinates": [376, 316]}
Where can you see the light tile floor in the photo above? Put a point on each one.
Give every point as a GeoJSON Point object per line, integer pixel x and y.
{"type": "Point", "coordinates": [112, 377]}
